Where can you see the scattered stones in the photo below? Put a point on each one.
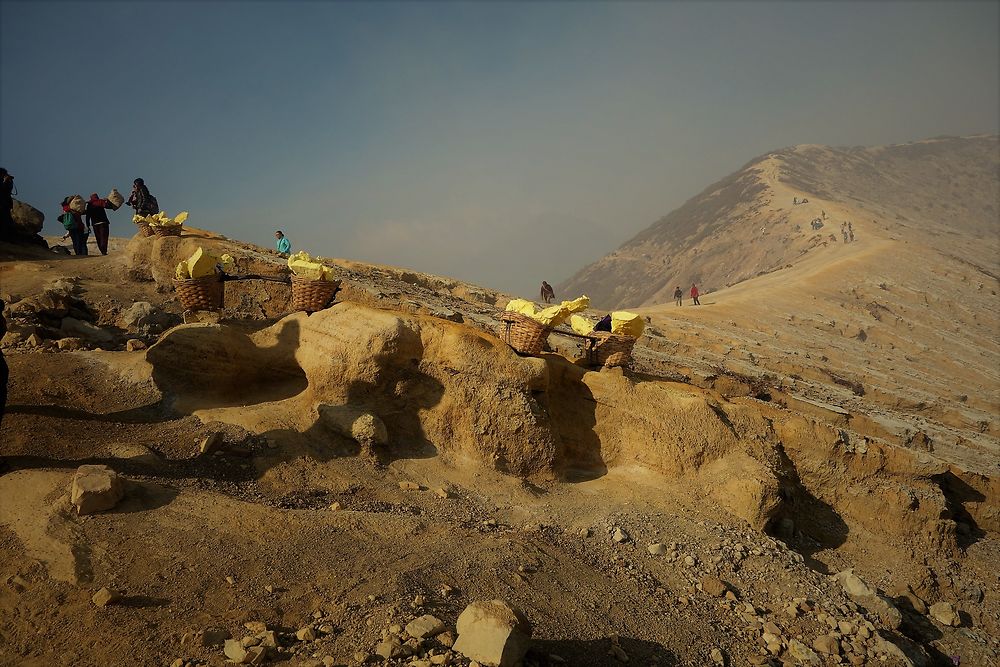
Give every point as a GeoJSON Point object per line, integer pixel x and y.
{"type": "Point", "coordinates": [714, 586]}
{"type": "Point", "coordinates": [620, 536]}
{"type": "Point", "coordinates": [853, 585]}
{"type": "Point", "coordinates": [802, 653]}
{"type": "Point", "coordinates": [827, 644]}
{"type": "Point", "coordinates": [306, 634]}
{"type": "Point", "coordinates": [656, 549]}
{"type": "Point", "coordinates": [945, 614]}
{"type": "Point", "coordinates": [494, 633]}
{"type": "Point", "coordinates": [95, 488]}
{"type": "Point", "coordinates": [718, 657]}
{"type": "Point", "coordinates": [234, 651]}
{"type": "Point", "coordinates": [442, 493]}
{"type": "Point", "coordinates": [134, 345]}
{"type": "Point", "coordinates": [70, 344]}
{"type": "Point", "coordinates": [409, 486]}
{"type": "Point", "coordinates": [336, 507]}
{"type": "Point", "coordinates": [425, 626]}
{"type": "Point", "coordinates": [106, 596]}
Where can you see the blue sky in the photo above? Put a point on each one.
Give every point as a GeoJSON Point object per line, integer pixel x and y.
{"type": "Point", "coordinates": [500, 143]}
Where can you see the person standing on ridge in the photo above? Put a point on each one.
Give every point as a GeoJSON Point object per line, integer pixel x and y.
{"type": "Point", "coordinates": [140, 199]}
{"type": "Point", "coordinates": [97, 219]}
{"type": "Point", "coordinates": [850, 231]}
{"type": "Point", "coordinates": [6, 206]}
{"type": "Point", "coordinates": [284, 245]}
{"type": "Point", "coordinates": [694, 294]}
{"type": "Point", "coordinates": [547, 293]}
{"type": "Point", "coordinates": [679, 296]}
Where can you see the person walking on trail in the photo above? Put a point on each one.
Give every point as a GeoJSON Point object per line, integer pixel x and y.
{"type": "Point", "coordinates": [97, 219]}
{"type": "Point", "coordinates": [72, 222]}
{"type": "Point", "coordinates": [284, 245]}
{"type": "Point", "coordinates": [6, 206]}
{"type": "Point", "coordinates": [850, 231]}
{"type": "Point", "coordinates": [679, 296]}
{"type": "Point", "coordinates": [547, 292]}
{"type": "Point", "coordinates": [140, 199]}
{"type": "Point", "coordinates": [694, 294]}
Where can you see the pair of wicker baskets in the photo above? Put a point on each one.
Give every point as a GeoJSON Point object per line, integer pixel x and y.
{"type": "Point", "coordinates": [313, 295]}
{"type": "Point", "coordinates": [611, 350]}
{"type": "Point", "coordinates": [201, 293]}
{"type": "Point", "coordinates": [145, 229]}
{"type": "Point", "coordinates": [522, 333]}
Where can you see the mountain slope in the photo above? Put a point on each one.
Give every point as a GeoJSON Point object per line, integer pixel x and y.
{"type": "Point", "coordinates": [746, 224]}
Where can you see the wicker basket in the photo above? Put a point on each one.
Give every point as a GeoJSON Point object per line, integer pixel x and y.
{"type": "Point", "coordinates": [200, 293]}
{"type": "Point", "coordinates": [313, 295]}
{"type": "Point", "coordinates": [169, 230]}
{"type": "Point", "coordinates": [612, 350]}
{"type": "Point", "coordinates": [522, 333]}
{"type": "Point", "coordinates": [145, 229]}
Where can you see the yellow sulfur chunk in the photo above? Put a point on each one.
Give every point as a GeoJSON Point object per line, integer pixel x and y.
{"type": "Point", "coordinates": [302, 265]}
{"type": "Point", "coordinates": [181, 217]}
{"type": "Point", "coordinates": [182, 272]}
{"type": "Point", "coordinates": [522, 306]}
{"type": "Point", "coordinates": [581, 324]}
{"type": "Point", "coordinates": [202, 264]}
{"type": "Point", "coordinates": [553, 316]}
{"type": "Point", "coordinates": [627, 324]}
{"type": "Point", "coordinates": [228, 263]}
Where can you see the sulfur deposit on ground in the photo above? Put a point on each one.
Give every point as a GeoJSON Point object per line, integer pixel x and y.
{"type": "Point", "coordinates": [336, 489]}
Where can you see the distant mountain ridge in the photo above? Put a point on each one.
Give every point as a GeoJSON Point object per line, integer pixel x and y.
{"type": "Point", "coordinates": [746, 224]}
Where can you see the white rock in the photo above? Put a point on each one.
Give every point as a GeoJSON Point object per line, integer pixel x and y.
{"type": "Point", "coordinates": [95, 488]}
{"type": "Point", "coordinates": [493, 633]}
{"type": "Point", "coordinates": [425, 626]}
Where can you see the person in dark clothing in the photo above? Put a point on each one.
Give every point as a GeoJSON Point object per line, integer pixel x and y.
{"type": "Point", "coordinates": [140, 199]}
{"type": "Point", "coordinates": [679, 296]}
{"type": "Point", "coordinates": [97, 219]}
{"type": "Point", "coordinates": [694, 294]}
{"type": "Point", "coordinates": [547, 292]}
{"type": "Point", "coordinates": [6, 206]}
{"type": "Point", "coordinates": [604, 324]}
{"type": "Point", "coordinates": [75, 229]}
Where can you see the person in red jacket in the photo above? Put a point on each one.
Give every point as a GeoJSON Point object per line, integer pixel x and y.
{"type": "Point", "coordinates": [694, 294]}
{"type": "Point", "coordinates": [97, 219]}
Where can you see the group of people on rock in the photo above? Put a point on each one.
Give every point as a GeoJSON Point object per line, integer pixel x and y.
{"type": "Point", "coordinates": [94, 218]}
{"type": "Point", "coordinates": [679, 295]}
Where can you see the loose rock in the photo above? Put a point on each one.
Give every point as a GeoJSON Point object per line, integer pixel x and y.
{"type": "Point", "coordinates": [493, 633]}
{"type": "Point", "coordinates": [95, 488]}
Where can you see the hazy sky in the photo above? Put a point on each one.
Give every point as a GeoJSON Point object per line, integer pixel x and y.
{"type": "Point", "coordinates": [498, 143]}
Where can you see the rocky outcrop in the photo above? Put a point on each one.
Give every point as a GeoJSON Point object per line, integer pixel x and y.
{"type": "Point", "coordinates": [28, 220]}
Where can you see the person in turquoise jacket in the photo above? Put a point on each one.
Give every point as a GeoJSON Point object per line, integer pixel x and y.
{"type": "Point", "coordinates": [284, 245]}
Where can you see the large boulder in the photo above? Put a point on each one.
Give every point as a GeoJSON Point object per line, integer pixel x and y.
{"type": "Point", "coordinates": [28, 220]}
{"type": "Point", "coordinates": [95, 488]}
{"type": "Point", "coordinates": [493, 633]}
